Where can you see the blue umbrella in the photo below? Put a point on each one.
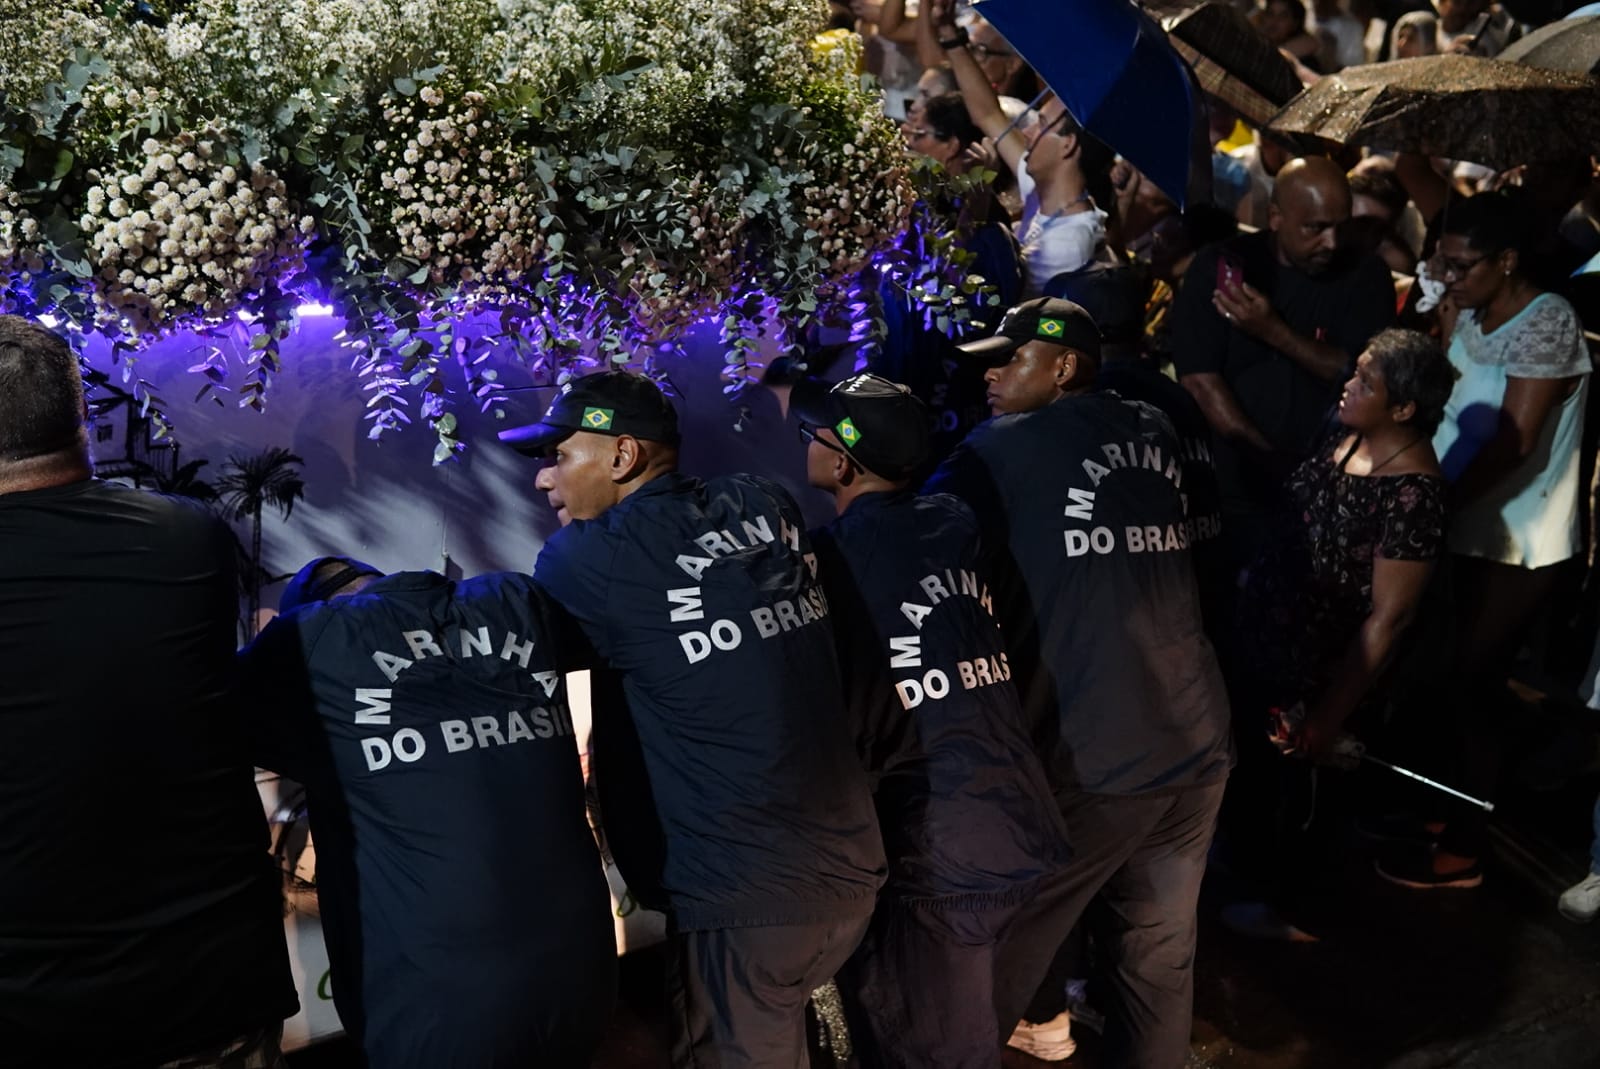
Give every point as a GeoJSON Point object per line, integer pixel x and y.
{"type": "Point", "coordinates": [1114, 70]}
{"type": "Point", "coordinates": [1590, 268]}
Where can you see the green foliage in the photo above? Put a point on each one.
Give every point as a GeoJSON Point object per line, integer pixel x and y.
{"type": "Point", "coordinates": [597, 175]}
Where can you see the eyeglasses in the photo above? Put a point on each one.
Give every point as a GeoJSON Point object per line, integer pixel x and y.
{"type": "Point", "coordinates": [1456, 270]}
{"type": "Point", "coordinates": [983, 52]}
{"type": "Point", "coordinates": [914, 132]}
{"type": "Point", "coordinates": [808, 434]}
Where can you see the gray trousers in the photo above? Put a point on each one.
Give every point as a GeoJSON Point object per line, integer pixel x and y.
{"type": "Point", "coordinates": [1139, 860]}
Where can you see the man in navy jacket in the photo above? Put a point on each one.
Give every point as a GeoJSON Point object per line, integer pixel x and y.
{"type": "Point", "coordinates": [968, 820]}
{"type": "Point", "coordinates": [703, 596]}
{"type": "Point", "coordinates": [462, 895]}
{"type": "Point", "coordinates": [1080, 495]}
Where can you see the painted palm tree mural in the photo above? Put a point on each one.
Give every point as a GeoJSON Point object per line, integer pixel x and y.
{"type": "Point", "coordinates": [247, 487]}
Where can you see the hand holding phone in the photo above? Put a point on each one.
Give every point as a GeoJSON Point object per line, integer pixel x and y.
{"type": "Point", "coordinates": [1230, 274]}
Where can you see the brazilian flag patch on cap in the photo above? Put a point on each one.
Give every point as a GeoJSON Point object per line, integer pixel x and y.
{"type": "Point", "coordinates": [847, 431]}
{"type": "Point", "coordinates": [598, 419]}
{"type": "Point", "coordinates": [1050, 328]}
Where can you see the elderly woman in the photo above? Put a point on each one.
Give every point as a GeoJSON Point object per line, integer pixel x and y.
{"type": "Point", "coordinates": [1322, 613]}
{"type": "Point", "coordinates": [1509, 444]}
{"type": "Point", "coordinates": [1329, 602]}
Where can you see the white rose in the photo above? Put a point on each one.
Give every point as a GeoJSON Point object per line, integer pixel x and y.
{"type": "Point", "coordinates": [131, 184]}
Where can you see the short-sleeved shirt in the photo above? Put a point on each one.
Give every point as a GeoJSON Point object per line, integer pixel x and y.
{"type": "Point", "coordinates": [140, 912]}
{"type": "Point", "coordinates": [1304, 601]}
{"type": "Point", "coordinates": [966, 812]}
{"type": "Point", "coordinates": [703, 596]}
{"type": "Point", "coordinates": [1344, 306]}
{"type": "Point", "coordinates": [1530, 517]}
{"type": "Point", "coordinates": [458, 879]}
{"type": "Point", "coordinates": [1053, 244]}
{"type": "Point", "coordinates": [1082, 505]}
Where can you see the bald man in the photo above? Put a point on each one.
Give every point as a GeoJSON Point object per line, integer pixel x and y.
{"type": "Point", "coordinates": [1266, 327]}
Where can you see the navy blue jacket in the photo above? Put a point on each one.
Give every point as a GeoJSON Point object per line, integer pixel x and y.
{"type": "Point", "coordinates": [462, 895]}
{"type": "Point", "coordinates": [966, 812]}
{"type": "Point", "coordinates": [1083, 505]}
{"type": "Point", "coordinates": [703, 596]}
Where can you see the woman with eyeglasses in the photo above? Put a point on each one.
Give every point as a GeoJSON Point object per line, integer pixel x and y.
{"type": "Point", "coordinates": [1509, 445]}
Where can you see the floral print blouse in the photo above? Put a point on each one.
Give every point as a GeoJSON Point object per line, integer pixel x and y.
{"type": "Point", "coordinates": [1304, 601]}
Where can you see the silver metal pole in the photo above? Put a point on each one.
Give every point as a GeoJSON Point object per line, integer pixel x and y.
{"type": "Point", "coordinates": [1487, 807]}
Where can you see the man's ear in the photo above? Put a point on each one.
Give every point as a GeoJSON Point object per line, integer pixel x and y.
{"type": "Point", "coordinates": [1403, 413]}
{"type": "Point", "coordinates": [1067, 370]}
{"type": "Point", "coordinates": [627, 458]}
{"type": "Point", "coordinates": [844, 472]}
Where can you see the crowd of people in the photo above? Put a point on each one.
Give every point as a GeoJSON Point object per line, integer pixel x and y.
{"type": "Point", "coordinates": [1112, 584]}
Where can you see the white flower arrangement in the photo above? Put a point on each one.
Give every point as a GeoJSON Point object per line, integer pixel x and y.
{"type": "Point", "coordinates": [600, 173]}
{"type": "Point", "coordinates": [188, 233]}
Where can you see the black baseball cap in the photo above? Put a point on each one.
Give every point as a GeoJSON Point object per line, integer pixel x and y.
{"type": "Point", "coordinates": [1050, 319]}
{"type": "Point", "coordinates": [607, 402]}
{"type": "Point", "coordinates": [304, 588]}
{"type": "Point", "coordinates": [879, 423]}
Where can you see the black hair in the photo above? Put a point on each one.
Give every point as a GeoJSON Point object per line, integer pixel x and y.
{"type": "Point", "coordinates": [1383, 187]}
{"type": "Point", "coordinates": [1296, 9]}
{"type": "Point", "coordinates": [1491, 222]}
{"type": "Point", "coordinates": [946, 116]}
{"type": "Point", "coordinates": [41, 391]}
{"type": "Point", "coordinates": [1415, 371]}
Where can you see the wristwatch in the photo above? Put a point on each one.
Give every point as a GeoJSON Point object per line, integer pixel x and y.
{"type": "Point", "coordinates": [958, 41]}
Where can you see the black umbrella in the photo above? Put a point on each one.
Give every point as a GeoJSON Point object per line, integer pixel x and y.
{"type": "Point", "coordinates": [1569, 45]}
{"type": "Point", "coordinates": [1232, 61]}
{"type": "Point", "coordinates": [1459, 107]}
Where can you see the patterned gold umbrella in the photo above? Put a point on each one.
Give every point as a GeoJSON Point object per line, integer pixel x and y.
{"type": "Point", "coordinates": [1232, 61]}
{"type": "Point", "coordinates": [1459, 107]}
{"type": "Point", "coordinates": [1569, 45]}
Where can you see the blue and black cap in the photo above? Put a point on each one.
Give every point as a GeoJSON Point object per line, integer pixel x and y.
{"type": "Point", "coordinates": [607, 402]}
{"type": "Point", "coordinates": [1047, 319]}
{"type": "Point", "coordinates": [879, 423]}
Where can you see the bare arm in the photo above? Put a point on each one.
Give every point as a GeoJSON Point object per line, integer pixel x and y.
{"type": "Point", "coordinates": [983, 104]}
{"type": "Point", "coordinates": [1426, 187]}
{"type": "Point", "coordinates": [1210, 391]}
{"type": "Point", "coordinates": [1527, 405]}
{"type": "Point", "coordinates": [929, 54]}
{"type": "Point", "coordinates": [1397, 588]}
{"type": "Point", "coordinates": [893, 24]}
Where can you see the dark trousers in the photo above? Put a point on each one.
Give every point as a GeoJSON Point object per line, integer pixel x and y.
{"type": "Point", "coordinates": [1140, 860]}
{"type": "Point", "coordinates": [919, 990]}
{"type": "Point", "coordinates": [737, 996]}
{"type": "Point", "coordinates": [1496, 604]}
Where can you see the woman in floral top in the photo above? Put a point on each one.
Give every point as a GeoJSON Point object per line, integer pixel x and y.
{"type": "Point", "coordinates": [1322, 612]}
{"type": "Point", "coordinates": [1328, 604]}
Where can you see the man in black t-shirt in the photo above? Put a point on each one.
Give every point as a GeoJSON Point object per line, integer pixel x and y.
{"type": "Point", "coordinates": [140, 913]}
{"type": "Point", "coordinates": [703, 596]}
{"type": "Point", "coordinates": [466, 914]}
{"type": "Point", "coordinates": [969, 825]}
{"type": "Point", "coordinates": [1265, 330]}
{"type": "Point", "coordinates": [1080, 496]}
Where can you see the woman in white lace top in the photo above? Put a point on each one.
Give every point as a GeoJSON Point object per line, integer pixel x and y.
{"type": "Point", "coordinates": [1509, 445]}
